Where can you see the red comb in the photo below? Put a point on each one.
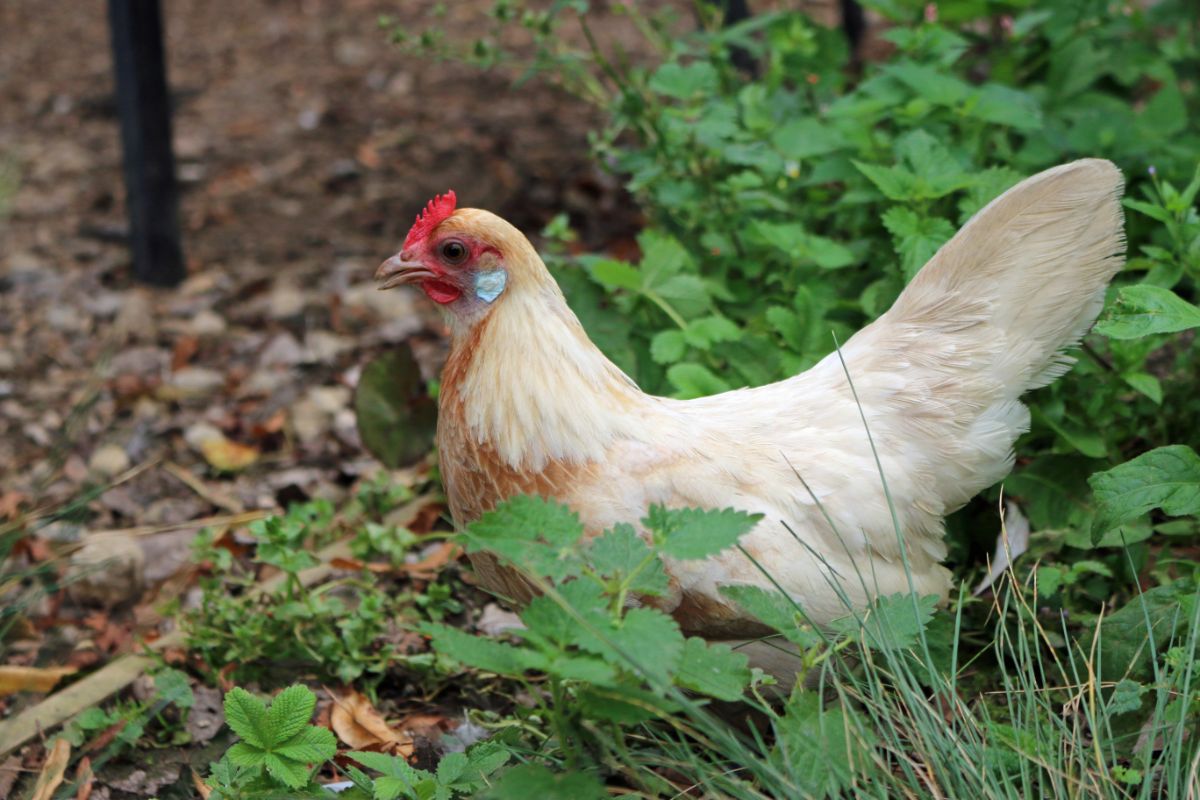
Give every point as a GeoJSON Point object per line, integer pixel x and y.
{"type": "Point", "coordinates": [435, 212]}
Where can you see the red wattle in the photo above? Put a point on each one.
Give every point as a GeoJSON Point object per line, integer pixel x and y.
{"type": "Point", "coordinates": [442, 293]}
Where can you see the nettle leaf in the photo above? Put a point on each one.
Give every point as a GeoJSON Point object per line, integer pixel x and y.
{"type": "Point", "coordinates": [1004, 105]}
{"type": "Point", "coordinates": [715, 670]}
{"type": "Point", "coordinates": [817, 744]}
{"type": "Point", "coordinates": [938, 87]}
{"type": "Point", "coordinates": [684, 82]}
{"type": "Point", "coordinates": [533, 533]}
{"type": "Point", "coordinates": [694, 380]}
{"type": "Point", "coordinates": [290, 711]}
{"type": "Point", "coordinates": [916, 238]}
{"type": "Point", "coordinates": [1143, 310]}
{"type": "Point", "coordinates": [554, 627]}
{"type": "Point", "coordinates": [1145, 626]}
{"type": "Point", "coordinates": [893, 622]}
{"type": "Point", "coordinates": [1126, 696]}
{"type": "Point", "coordinates": [937, 171]}
{"type": "Point", "coordinates": [774, 609]}
{"type": "Point", "coordinates": [896, 183]}
{"type": "Point", "coordinates": [622, 555]}
{"type": "Point", "coordinates": [651, 639]}
{"type": "Point", "coordinates": [247, 716]}
{"type": "Point", "coordinates": [482, 653]}
{"type": "Point", "coordinates": [692, 533]}
{"type": "Point", "coordinates": [1167, 478]}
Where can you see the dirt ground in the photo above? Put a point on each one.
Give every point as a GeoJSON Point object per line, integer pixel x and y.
{"type": "Point", "coordinates": [305, 144]}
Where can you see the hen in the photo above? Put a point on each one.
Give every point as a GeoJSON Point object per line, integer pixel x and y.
{"type": "Point", "coordinates": [529, 405]}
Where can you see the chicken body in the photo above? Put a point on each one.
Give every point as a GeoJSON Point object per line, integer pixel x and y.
{"type": "Point", "coordinates": [529, 405]}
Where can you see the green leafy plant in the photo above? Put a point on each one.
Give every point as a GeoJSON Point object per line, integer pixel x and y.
{"type": "Point", "coordinates": [338, 627]}
{"type": "Point", "coordinates": [278, 747]}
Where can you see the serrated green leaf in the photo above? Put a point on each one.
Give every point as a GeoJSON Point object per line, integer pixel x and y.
{"type": "Point", "coordinates": [533, 533]}
{"type": "Point", "coordinates": [1167, 478]}
{"type": "Point", "coordinates": [1126, 696]}
{"type": "Point", "coordinates": [896, 183]}
{"type": "Point", "coordinates": [247, 716]}
{"type": "Point", "coordinates": [772, 608]}
{"type": "Point", "coordinates": [245, 754]}
{"type": "Point", "coordinates": [692, 533]}
{"type": "Point", "coordinates": [555, 625]}
{"type": "Point", "coordinates": [916, 238]}
{"type": "Point", "coordinates": [292, 773]}
{"type": "Point", "coordinates": [621, 554]}
{"type": "Point", "coordinates": [290, 711]}
{"type": "Point", "coordinates": [714, 670]}
{"type": "Point", "coordinates": [312, 745]}
{"type": "Point", "coordinates": [1144, 310]}
{"type": "Point", "coordinates": [483, 653]}
{"type": "Point", "coordinates": [817, 744]}
{"type": "Point", "coordinates": [892, 622]}
{"type": "Point", "coordinates": [651, 639]}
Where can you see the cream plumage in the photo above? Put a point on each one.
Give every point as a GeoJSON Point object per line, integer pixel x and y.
{"type": "Point", "coordinates": [530, 405]}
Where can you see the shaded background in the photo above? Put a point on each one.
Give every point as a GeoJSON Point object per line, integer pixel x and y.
{"type": "Point", "coordinates": [305, 144]}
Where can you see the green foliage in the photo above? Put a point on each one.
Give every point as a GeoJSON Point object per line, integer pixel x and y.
{"type": "Point", "coordinates": [790, 205]}
{"type": "Point", "coordinates": [457, 774]}
{"type": "Point", "coordinates": [156, 721]}
{"type": "Point", "coordinates": [278, 739]}
{"type": "Point", "coordinates": [338, 628]}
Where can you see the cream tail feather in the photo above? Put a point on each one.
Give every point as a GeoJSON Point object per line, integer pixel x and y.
{"type": "Point", "coordinates": [938, 377]}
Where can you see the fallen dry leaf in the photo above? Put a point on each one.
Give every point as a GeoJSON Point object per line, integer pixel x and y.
{"type": "Point", "coordinates": [203, 789]}
{"type": "Point", "coordinates": [83, 779]}
{"type": "Point", "coordinates": [31, 679]}
{"type": "Point", "coordinates": [437, 558]}
{"type": "Point", "coordinates": [227, 455]}
{"type": "Point", "coordinates": [10, 504]}
{"type": "Point", "coordinates": [51, 776]}
{"type": "Point", "coordinates": [360, 726]}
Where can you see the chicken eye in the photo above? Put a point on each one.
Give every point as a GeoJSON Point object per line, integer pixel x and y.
{"type": "Point", "coordinates": [453, 252]}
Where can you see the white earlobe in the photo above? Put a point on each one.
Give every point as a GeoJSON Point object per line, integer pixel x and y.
{"type": "Point", "coordinates": [489, 284]}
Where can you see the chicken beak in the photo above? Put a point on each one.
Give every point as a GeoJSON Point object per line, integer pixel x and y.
{"type": "Point", "coordinates": [396, 270]}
